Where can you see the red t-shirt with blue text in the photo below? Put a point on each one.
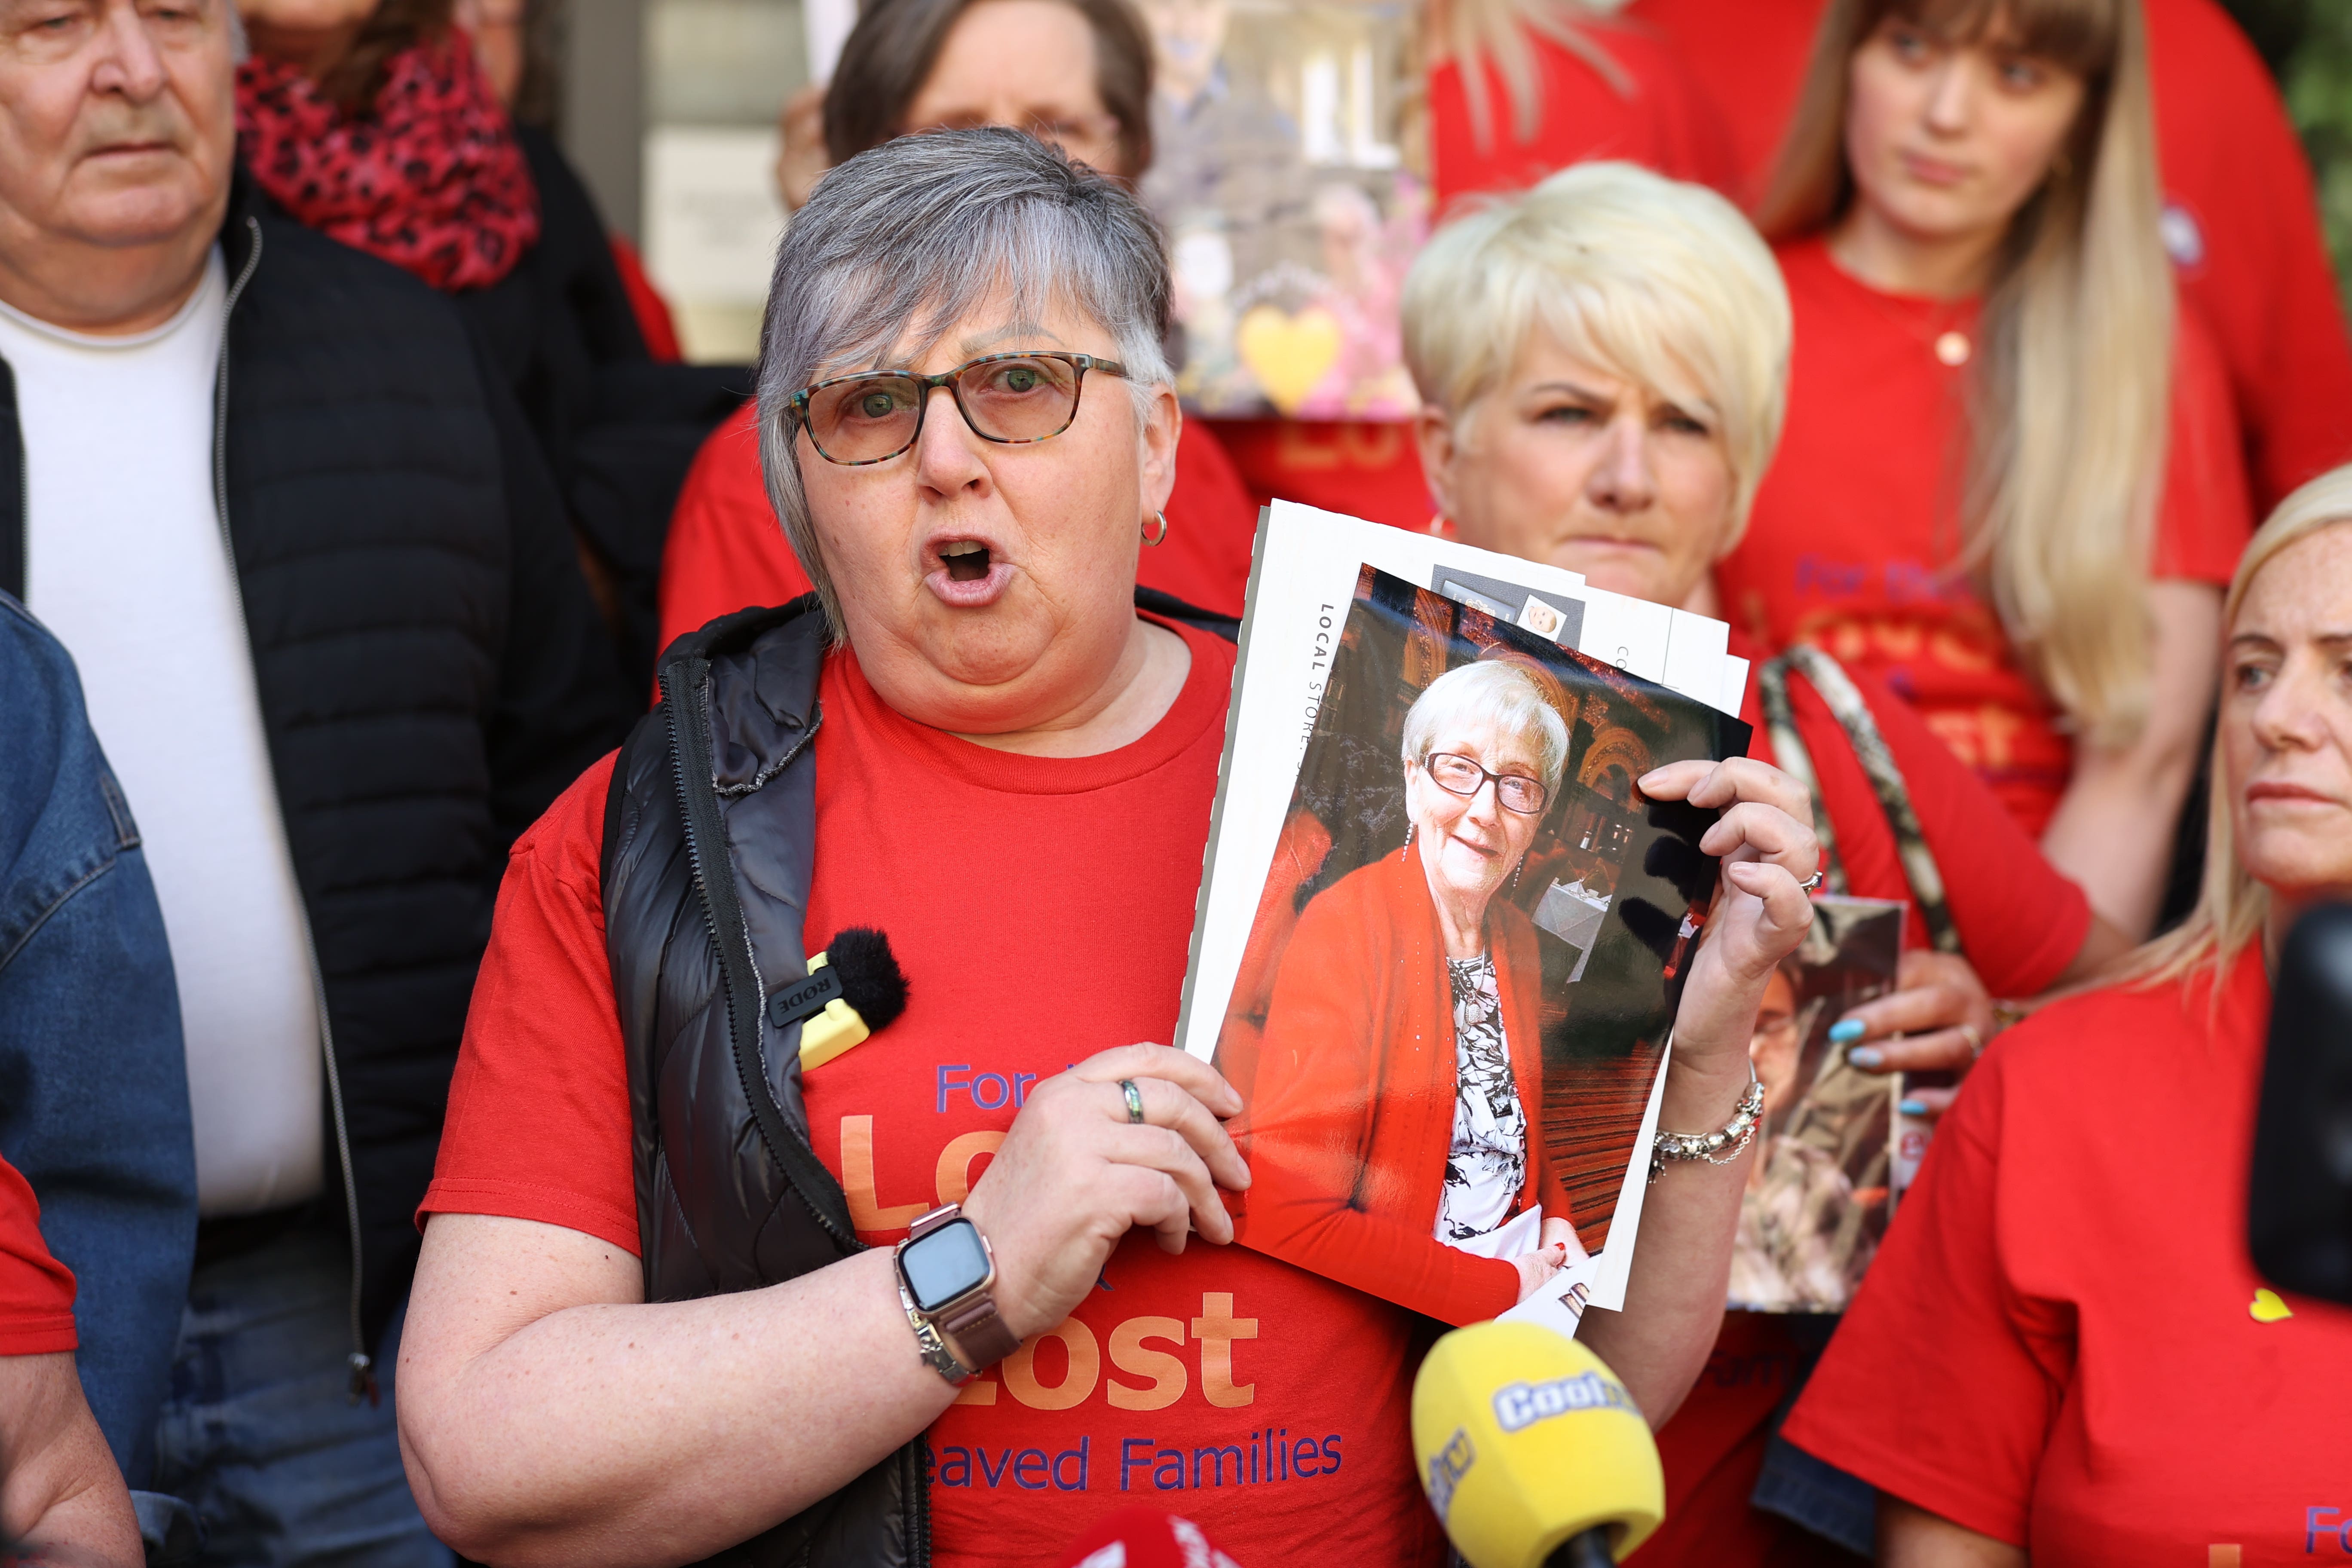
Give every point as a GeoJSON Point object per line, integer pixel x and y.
{"type": "Point", "coordinates": [1043, 908]}
{"type": "Point", "coordinates": [1854, 546]}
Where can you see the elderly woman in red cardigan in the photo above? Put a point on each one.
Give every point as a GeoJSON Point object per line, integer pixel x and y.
{"type": "Point", "coordinates": [1391, 1143]}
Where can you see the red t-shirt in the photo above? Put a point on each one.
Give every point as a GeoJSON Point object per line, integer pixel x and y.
{"type": "Point", "coordinates": [1268, 1403]}
{"type": "Point", "coordinates": [1661, 120]}
{"type": "Point", "coordinates": [1373, 470]}
{"type": "Point", "coordinates": [1355, 468]}
{"type": "Point", "coordinates": [1748, 57]}
{"type": "Point", "coordinates": [37, 1291]}
{"type": "Point", "coordinates": [2021, 923]}
{"type": "Point", "coordinates": [2055, 1347]}
{"type": "Point", "coordinates": [645, 303]}
{"type": "Point", "coordinates": [1853, 543]}
{"type": "Point", "coordinates": [726, 550]}
{"type": "Point", "coordinates": [2243, 222]}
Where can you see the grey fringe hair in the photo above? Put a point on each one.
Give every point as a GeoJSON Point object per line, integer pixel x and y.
{"type": "Point", "coordinates": [1488, 692]}
{"type": "Point", "coordinates": [901, 242]}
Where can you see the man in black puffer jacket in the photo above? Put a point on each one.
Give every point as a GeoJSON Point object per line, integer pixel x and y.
{"type": "Point", "coordinates": [335, 639]}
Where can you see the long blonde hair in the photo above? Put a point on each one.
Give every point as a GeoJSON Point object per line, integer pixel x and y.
{"type": "Point", "coordinates": [1474, 32]}
{"type": "Point", "coordinates": [2232, 907]}
{"type": "Point", "coordinates": [2069, 393]}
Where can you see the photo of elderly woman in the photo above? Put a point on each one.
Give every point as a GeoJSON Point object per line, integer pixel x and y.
{"type": "Point", "coordinates": [1463, 969]}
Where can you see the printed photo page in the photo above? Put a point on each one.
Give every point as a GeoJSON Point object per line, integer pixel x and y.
{"type": "Point", "coordinates": [1822, 1187]}
{"type": "Point", "coordinates": [1441, 935]}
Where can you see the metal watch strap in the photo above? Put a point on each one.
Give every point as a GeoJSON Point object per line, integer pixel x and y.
{"type": "Point", "coordinates": [973, 1336]}
{"type": "Point", "coordinates": [935, 1351]}
{"type": "Point", "coordinates": [981, 1334]}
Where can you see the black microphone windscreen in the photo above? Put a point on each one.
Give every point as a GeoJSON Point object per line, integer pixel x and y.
{"type": "Point", "coordinates": [871, 980]}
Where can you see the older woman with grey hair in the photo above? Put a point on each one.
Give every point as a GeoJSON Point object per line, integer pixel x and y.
{"type": "Point", "coordinates": [1378, 1162]}
{"type": "Point", "coordinates": [684, 1295]}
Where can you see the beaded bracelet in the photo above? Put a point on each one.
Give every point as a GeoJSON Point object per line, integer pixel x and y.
{"type": "Point", "coordinates": [1718, 1148]}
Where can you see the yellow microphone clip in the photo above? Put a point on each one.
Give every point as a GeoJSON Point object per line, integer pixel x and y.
{"type": "Point", "coordinates": [853, 988]}
{"type": "Point", "coordinates": [831, 1031]}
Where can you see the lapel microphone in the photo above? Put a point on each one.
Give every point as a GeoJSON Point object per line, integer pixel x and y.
{"type": "Point", "coordinates": [854, 987]}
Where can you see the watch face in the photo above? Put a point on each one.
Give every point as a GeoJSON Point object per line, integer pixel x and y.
{"type": "Point", "coordinates": [944, 1265]}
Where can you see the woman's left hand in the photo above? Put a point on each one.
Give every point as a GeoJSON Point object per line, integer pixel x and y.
{"type": "Point", "coordinates": [1558, 1231]}
{"type": "Point", "coordinates": [1943, 1014]}
{"type": "Point", "coordinates": [1536, 1268]}
{"type": "Point", "coordinates": [1765, 841]}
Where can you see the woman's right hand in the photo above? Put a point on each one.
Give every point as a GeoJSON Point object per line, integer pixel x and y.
{"type": "Point", "coordinates": [1074, 1174]}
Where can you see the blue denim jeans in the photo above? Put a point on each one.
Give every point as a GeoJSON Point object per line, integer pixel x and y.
{"type": "Point", "coordinates": [259, 1433]}
{"type": "Point", "coordinates": [1806, 1490]}
{"type": "Point", "coordinates": [1818, 1495]}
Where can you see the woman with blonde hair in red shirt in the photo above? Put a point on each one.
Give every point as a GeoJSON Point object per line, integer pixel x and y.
{"type": "Point", "coordinates": [1605, 361]}
{"type": "Point", "coordinates": [2062, 1353]}
{"type": "Point", "coordinates": [2010, 482]}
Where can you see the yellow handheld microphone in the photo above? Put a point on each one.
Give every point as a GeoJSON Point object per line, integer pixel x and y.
{"type": "Point", "coordinates": [853, 988]}
{"type": "Point", "coordinates": [1531, 1451]}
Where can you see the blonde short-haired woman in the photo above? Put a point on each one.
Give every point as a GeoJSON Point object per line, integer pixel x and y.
{"type": "Point", "coordinates": [2064, 1352]}
{"type": "Point", "coordinates": [1605, 362]}
{"type": "Point", "coordinates": [2010, 482]}
{"type": "Point", "coordinates": [1661, 281]}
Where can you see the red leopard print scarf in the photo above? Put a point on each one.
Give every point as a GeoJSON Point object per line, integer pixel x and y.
{"type": "Point", "coordinates": [432, 181]}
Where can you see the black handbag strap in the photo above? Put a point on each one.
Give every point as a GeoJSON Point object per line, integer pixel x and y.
{"type": "Point", "coordinates": [1853, 716]}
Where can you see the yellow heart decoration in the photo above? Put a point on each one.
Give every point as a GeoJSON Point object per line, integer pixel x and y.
{"type": "Point", "coordinates": [2268, 1309]}
{"type": "Point", "coordinates": [1288, 355]}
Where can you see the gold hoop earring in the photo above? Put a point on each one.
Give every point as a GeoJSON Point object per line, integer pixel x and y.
{"type": "Point", "coordinates": [1151, 538]}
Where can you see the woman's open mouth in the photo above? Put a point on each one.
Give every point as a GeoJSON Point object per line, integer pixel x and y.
{"type": "Point", "coordinates": [970, 575]}
{"type": "Point", "coordinates": [966, 560]}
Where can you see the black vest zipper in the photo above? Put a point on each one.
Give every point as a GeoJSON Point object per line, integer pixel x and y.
{"type": "Point", "coordinates": [361, 1364]}
{"type": "Point", "coordinates": [685, 684]}
{"type": "Point", "coordinates": [698, 803]}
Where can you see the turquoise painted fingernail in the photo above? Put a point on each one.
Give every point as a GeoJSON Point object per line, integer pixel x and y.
{"type": "Point", "coordinates": [1913, 1108]}
{"type": "Point", "coordinates": [1867, 1058]}
{"type": "Point", "coordinates": [1845, 1031]}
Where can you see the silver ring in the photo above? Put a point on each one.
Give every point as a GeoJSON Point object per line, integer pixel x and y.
{"type": "Point", "coordinates": [1975, 1038]}
{"type": "Point", "coordinates": [1809, 883]}
{"type": "Point", "coordinates": [1134, 1098]}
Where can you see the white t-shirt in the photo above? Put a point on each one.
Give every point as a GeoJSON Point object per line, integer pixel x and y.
{"type": "Point", "coordinates": [127, 562]}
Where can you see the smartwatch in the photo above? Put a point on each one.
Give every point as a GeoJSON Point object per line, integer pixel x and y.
{"type": "Point", "coordinates": [946, 1274]}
